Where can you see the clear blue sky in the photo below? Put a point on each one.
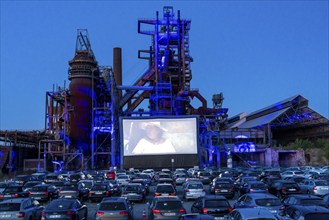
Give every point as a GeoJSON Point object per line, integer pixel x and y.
{"type": "Point", "coordinates": [256, 52]}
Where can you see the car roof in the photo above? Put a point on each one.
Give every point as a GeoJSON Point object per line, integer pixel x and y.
{"type": "Point", "coordinates": [303, 196]}
{"type": "Point", "coordinates": [308, 209]}
{"type": "Point", "coordinates": [261, 195]}
{"type": "Point", "coordinates": [18, 200]}
{"type": "Point", "coordinates": [214, 197]}
{"type": "Point", "coordinates": [255, 212]}
{"type": "Point", "coordinates": [112, 199]}
{"type": "Point", "coordinates": [166, 198]}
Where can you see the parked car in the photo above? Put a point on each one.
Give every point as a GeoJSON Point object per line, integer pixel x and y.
{"type": "Point", "coordinates": [73, 190]}
{"type": "Point", "coordinates": [301, 199]}
{"type": "Point", "coordinates": [165, 207]}
{"type": "Point", "coordinates": [21, 179]}
{"type": "Point", "coordinates": [13, 192]}
{"type": "Point", "coordinates": [44, 192]}
{"type": "Point", "coordinates": [193, 190]}
{"type": "Point", "coordinates": [282, 188]}
{"type": "Point", "coordinates": [223, 188]}
{"type": "Point", "coordinates": [261, 200]}
{"type": "Point", "coordinates": [326, 200]}
{"type": "Point", "coordinates": [314, 187]}
{"type": "Point", "coordinates": [298, 212]}
{"type": "Point", "coordinates": [4, 185]}
{"type": "Point", "coordinates": [29, 184]}
{"type": "Point", "coordinates": [217, 206]}
{"type": "Point", "coordinates": [179, 178]}
{"type": "Point", "coordinates": [134, 192]}
{"type": "Point", "coordinates": [114, 208]}
{"type": "Point", "coordinates": [20, 208]}
{"type": "Point", "coordinates": [165, 189]}
{"type": "Point", "coordinates": [123, 179]}
{"type": "Point", "coordinates": [196, 216]}
{"type": "Point", "coordinates": [250, 213]}
{"type": "Point", "coordinates": [68, 209]}
{"type": "Point", "coordinates": [99, 191]}
{"type": "Point", "coordinates": [253, 187]}
{"type": "Point", "coordinates": [204, 177]}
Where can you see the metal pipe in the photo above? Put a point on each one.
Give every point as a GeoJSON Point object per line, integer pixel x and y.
{"type": "Point", "coordinates": [135, 87]}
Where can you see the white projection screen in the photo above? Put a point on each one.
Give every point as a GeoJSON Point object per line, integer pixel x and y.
{"type": "Point", "coordinates": [163, 139]}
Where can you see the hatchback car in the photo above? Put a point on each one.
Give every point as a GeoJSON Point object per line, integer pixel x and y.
{"type": "Point", "coordinates": [282, 188]}
{"type": "Point", "coordinates": [114, 208]}
{"type": "Point", "coordinates": [314, 187]}
{"type": "Point", "coordinates": [305, 212]}
{"type": "Point", "coordinates": [302, 199]}
{"type": "Point", "coordinates": [217, 206]}
{"type": "Point", "coordinates": [68, 209]}
{"type": "Point", "coordinates": [223, 188]}
{"type": "Point", "coordinates": [253, 187]}
{"type": "Point", "coordinates": [250, 214]}
{"type": "Point", "coordinates": [165, 189]}
{"type": "Point", "coordinates": [134, 192]}
{"type": "Point", "coordinates": [193, 190]}
{"type": "Point", "coordinates": [20, 208]}
{"type": "Point", "coordinates": [165, 207]}
{"type": "Point", "coordinates": [261, 200]}
{"type": "Point", "coordinates": [73, 190]}
{"type": "Point", "coordinates": [99, 191]}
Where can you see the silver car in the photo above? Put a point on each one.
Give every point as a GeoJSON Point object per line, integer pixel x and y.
{"type": "Point", "coordinates": [315, 187]}
{"type": "Point", "coordinates": [20, 208]}
{"type": "Point", "coordinates": [193, 190]}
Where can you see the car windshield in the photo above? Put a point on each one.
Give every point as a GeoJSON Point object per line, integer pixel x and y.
{"type": "Point", "coordinates": [132, 188]}
{"type": "Point", "coordinates": [195, 186]}
{"type": "Point", "coordinates": [9, 206]}
{"type": "Point", "coordinates": [111, 206]}
{"type": "Point", "coordinates": [258, 186]}
{"type": "Point", "coordinates": [317, 216]}
{"type": "Point", "coordinates": [261, 218]}
{"type": "Point", "coordinates": [169, 205]}
{"type": "Point", "coordinates": [13, 189]}
{"type": "Point", "coordinates": [60, 205]}
{"type": "Point", "coordinates": [88, 184]}
{"type": "Point", "coordinates": [222, 185]}
{"type": "Point", "coordinates": [268, 202]}
{"type": "Point", "coordinates": [39, 189]}
{"type": "Point", "coordinates": [321, 183]}
{"type": "Point", "coordinates": [311, 201]}
{"type": "Point", "coordinates": [99, 187]}
{"type": "Point", "coordinates": [165, 189]}
{"type": "Point", "coordinates": [290, 185]}
{"type": "Point", "coordinates": [216, 203]}
{"type": "Point", "coordinates": [69, 188]}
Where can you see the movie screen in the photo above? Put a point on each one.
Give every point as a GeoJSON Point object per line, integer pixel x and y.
{"type": "Point", "coordinates": [159, 136]}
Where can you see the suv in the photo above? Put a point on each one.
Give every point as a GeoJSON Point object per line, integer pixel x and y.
{"type": "Point", "coordinates": [168, 207]}
{"type": "Point", "coordinates": [114, 208]}
{"type": "Point", "coordinates": [217, 206]}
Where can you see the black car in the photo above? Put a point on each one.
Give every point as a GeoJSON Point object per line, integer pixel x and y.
{"type": "Point", "coordinates": [306, 212]}
{"type": "Point", "coordinates": [134, 192]}
{"type": "Point", "coordinates": [217, 206]}
{"type": "Point", "coordinates": [303, 199]}
{"type": "Point", "coordinates": [165, 207]}
{"type": "Point", "coordinates": [21, 179]}
{"type": "Point", "coordinates": [29, 184]}
{"type": "Point", "coordinates": [74, 190]}
{"type": "Point", "coordinates": [65, 209]}
{"type": "Point", "coordinates": [99, 191]}
{"type": "Point", "coordinates": [13, 192]}
{"type": "Point", "coordinates": [282, 188]}
{"type": "Point", "coordinates": [223, 188]}
{"type": "Point", "coordinates": [44, 192]}
{"type": "Point", "coordinates": [253, 187]}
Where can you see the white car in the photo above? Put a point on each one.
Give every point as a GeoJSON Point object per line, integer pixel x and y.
{"type": "Point", "coordinates": [193, 190]}
{"type": "Point", "coordinates": [123, 180]}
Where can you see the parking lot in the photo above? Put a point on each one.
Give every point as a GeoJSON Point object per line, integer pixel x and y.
{"type": "Point", "coordinates": [269, 188]}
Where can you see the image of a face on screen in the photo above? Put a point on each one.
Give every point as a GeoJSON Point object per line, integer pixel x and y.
{"type": "Point", "coordinates": [159, 136]}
